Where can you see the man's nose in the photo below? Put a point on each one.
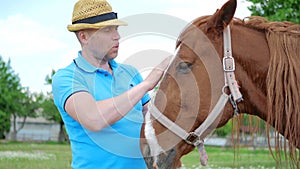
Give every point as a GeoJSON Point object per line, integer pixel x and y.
{"type": "Point", "coordinates": [116, 35]}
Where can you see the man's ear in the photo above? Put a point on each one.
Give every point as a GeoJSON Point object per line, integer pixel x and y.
{"type": "Point", "coordinates": [222, 17]}
{"type": "Point", "coordinates": [81, 36]}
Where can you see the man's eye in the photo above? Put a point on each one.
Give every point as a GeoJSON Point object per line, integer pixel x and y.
{"type": "Point", "coordinates": [106, 29]}
{"type": "Point", "coordinates": [184, 67]}
{"type": "Point", "coordinates": [110, 28]}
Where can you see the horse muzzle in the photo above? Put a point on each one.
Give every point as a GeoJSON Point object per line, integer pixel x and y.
{"type": "Point", "coordinates": [165, 160]}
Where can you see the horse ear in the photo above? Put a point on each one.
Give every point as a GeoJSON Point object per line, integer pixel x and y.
{"type": "Point", "coordinates": [223, 16]}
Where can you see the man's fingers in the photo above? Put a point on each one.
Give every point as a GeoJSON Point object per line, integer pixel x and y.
{"type": "Point", "coordinates": [165, 63]}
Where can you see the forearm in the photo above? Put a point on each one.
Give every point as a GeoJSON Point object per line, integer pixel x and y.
{"type": "Point", "coordinates": [113, 109]}
{"type": "Point", "coordinates": [95, 115]}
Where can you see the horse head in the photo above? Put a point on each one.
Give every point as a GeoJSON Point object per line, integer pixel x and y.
{"type": "Point", "coordinates": [189, 90]}
{"type": "Point", "coordinates": [192, 92]}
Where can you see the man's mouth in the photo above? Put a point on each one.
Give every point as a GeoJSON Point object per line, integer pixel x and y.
{"type": "Point", "coordinates": [116, 46]}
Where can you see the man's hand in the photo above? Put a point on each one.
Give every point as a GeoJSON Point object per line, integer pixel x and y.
{"type": "Point", "coordinates": [157, 73]}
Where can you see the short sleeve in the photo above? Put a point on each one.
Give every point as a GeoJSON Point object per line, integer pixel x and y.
{"type": "Point", "coordinates": [65, 82]}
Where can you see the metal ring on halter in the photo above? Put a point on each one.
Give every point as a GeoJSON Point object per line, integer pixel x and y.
{"type": "Point", "coordinates": [233, 103]}
{"type": "Point", "coordinates": [223, 89]}
{"type": "Point", "coordinates": [193, 139]}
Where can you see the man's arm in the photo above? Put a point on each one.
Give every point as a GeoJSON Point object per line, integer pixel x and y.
{"type": "Point", "coordinates": [95, 115]}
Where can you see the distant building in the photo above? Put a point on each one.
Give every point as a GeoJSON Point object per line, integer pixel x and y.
{"type": "Point", "coordinates": [36, 129]}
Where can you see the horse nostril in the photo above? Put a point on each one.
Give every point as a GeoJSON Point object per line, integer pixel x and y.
{"type": "Point", "coordinates": [146, 150]}
{"type": "Point", "coordinates": [166, 160]}
{"type": "Point", "coordinates": [147, 156]}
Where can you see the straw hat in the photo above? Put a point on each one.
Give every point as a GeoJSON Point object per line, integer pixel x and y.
{"type": "Point", "coordinates": [93, 14]}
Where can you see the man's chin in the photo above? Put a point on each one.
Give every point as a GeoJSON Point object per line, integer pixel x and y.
{"type": "Point", "coordinates": [112, 56]}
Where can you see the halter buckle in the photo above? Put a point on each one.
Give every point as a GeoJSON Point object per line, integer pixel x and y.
{"type": "Point", "coordinates": [193, 139]}
{"type": "Point", "coordinates": [228, 64]}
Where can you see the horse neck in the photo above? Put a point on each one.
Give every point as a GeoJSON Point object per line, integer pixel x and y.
{"type": "Point", "coordinates": [251, 53]}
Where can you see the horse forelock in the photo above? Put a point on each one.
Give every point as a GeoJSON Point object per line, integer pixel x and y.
{"type": "Point", "coordinates": [195, 23]}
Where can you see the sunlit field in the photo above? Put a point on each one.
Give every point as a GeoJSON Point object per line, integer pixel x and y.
{"type": "Point", "coordinates": [17, 155]}
{"type": "Point", "coordinates": [35, 156]}
{"type": "Point", "coordinates": [226, 158]}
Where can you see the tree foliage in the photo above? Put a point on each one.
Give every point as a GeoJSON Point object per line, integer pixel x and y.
{"type": "Point", "coordinates": [277, 10]}
{"type": "Point", "coordinates": [16, 102]}
{"type": "Point", "coordinates": [10, 96]}
{"type": "Point", "coordinates": [29, 105]}
{"type": "Point", "coordinates": [50, 111]}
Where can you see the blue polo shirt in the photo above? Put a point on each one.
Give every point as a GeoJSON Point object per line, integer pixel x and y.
{"type": "Point", "coordinates": [116, 146]}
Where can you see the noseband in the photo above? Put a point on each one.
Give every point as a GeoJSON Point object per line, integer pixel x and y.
{"type": "Point", "coordinates": [196, 137]}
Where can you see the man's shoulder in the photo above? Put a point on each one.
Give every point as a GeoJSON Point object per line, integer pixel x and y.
{"type": "Point", "coordinates": [66, 71]}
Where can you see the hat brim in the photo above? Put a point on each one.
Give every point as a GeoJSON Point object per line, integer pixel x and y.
{"type": "Point", "coordinates": [82, 26]}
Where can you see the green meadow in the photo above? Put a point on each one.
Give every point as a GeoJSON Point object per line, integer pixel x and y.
{"type": "Point", "coordinates": [28, 155]}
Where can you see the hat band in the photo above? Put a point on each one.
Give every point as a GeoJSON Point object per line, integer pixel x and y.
{"type": "Point", "coordinates": [98, 18]}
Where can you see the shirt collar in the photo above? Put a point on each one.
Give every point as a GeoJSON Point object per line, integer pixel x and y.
{"type": "Point", "coordinates": [86, 66]}
{"type": "Point", "coordinates": [114, 65]}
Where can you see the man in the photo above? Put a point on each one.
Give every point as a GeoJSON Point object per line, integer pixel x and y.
{"type": "Point", "coordinates": [101, 101]}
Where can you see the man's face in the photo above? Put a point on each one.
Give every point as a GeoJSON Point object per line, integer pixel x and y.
{"type": "Point", "coordinates": [103, 43]}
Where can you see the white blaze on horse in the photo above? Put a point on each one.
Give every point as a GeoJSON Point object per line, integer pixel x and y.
{"type": "Point", "coordinates": [225, 66]}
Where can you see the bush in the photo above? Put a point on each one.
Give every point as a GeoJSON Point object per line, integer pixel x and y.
{"type": "Point", "coordinates": [224, 131]}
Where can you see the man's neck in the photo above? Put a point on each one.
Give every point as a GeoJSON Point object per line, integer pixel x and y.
{"type": "Point", "coordinates": [105, 66]}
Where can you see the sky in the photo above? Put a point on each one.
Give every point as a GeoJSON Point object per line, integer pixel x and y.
{"type": "Point", "coordinates": [33, 34]}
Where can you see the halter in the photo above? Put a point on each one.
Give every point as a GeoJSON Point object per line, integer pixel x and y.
{"type": "Point", "coordinates": [196, 137]}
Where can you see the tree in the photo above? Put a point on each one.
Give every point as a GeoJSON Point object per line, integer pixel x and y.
{"type": "Point", "coordinates": [15, 101]}
{"type": "Point", "coordinates": [4, 124]}
{"type": "Point", "coordinates": [50, 111]}
{"type": "Point", "coordinates": [28, 106]}
{"type": "Point", "coordinates": [224, 131]}
{"type": "Point", "coordinates": [10, 96]}
{"type": "Point", "coordinates": [277, 10]}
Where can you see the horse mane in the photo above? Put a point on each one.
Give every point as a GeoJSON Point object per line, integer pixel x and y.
{"type": "Point", "coordinates": [283, 83]}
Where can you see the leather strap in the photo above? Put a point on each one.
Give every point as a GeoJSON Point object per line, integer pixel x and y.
{"type": "Point", "coordinates": [229, 67]}
{"type": "Point", "coordinates": [195, 138]}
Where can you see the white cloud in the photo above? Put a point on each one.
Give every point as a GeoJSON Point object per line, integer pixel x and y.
{"type": "Point", "coordinates": [65, 58]}
{"type": "Point", "coordinates": [196, 8]}
{"type": "Point", "coordinates": [21, 35]}
{"type": "Point", "coordinates": [145, 43]}
{"type": "Point", "coordinates": [34, 49]}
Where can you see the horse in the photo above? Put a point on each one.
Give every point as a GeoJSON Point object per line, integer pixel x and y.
{"type": "Point", "coordinates": [223, 67]}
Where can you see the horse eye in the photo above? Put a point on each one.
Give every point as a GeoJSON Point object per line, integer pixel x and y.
{"type": "Point", "coordinates": [184, 67]}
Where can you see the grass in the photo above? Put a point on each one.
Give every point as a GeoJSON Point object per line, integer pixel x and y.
{"type": "Point", "coordinates": [17, 155]}
{"type": "Point", "coordinates": [26, 155]}
{"type": "Point", "coordinates": [221, 157]}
